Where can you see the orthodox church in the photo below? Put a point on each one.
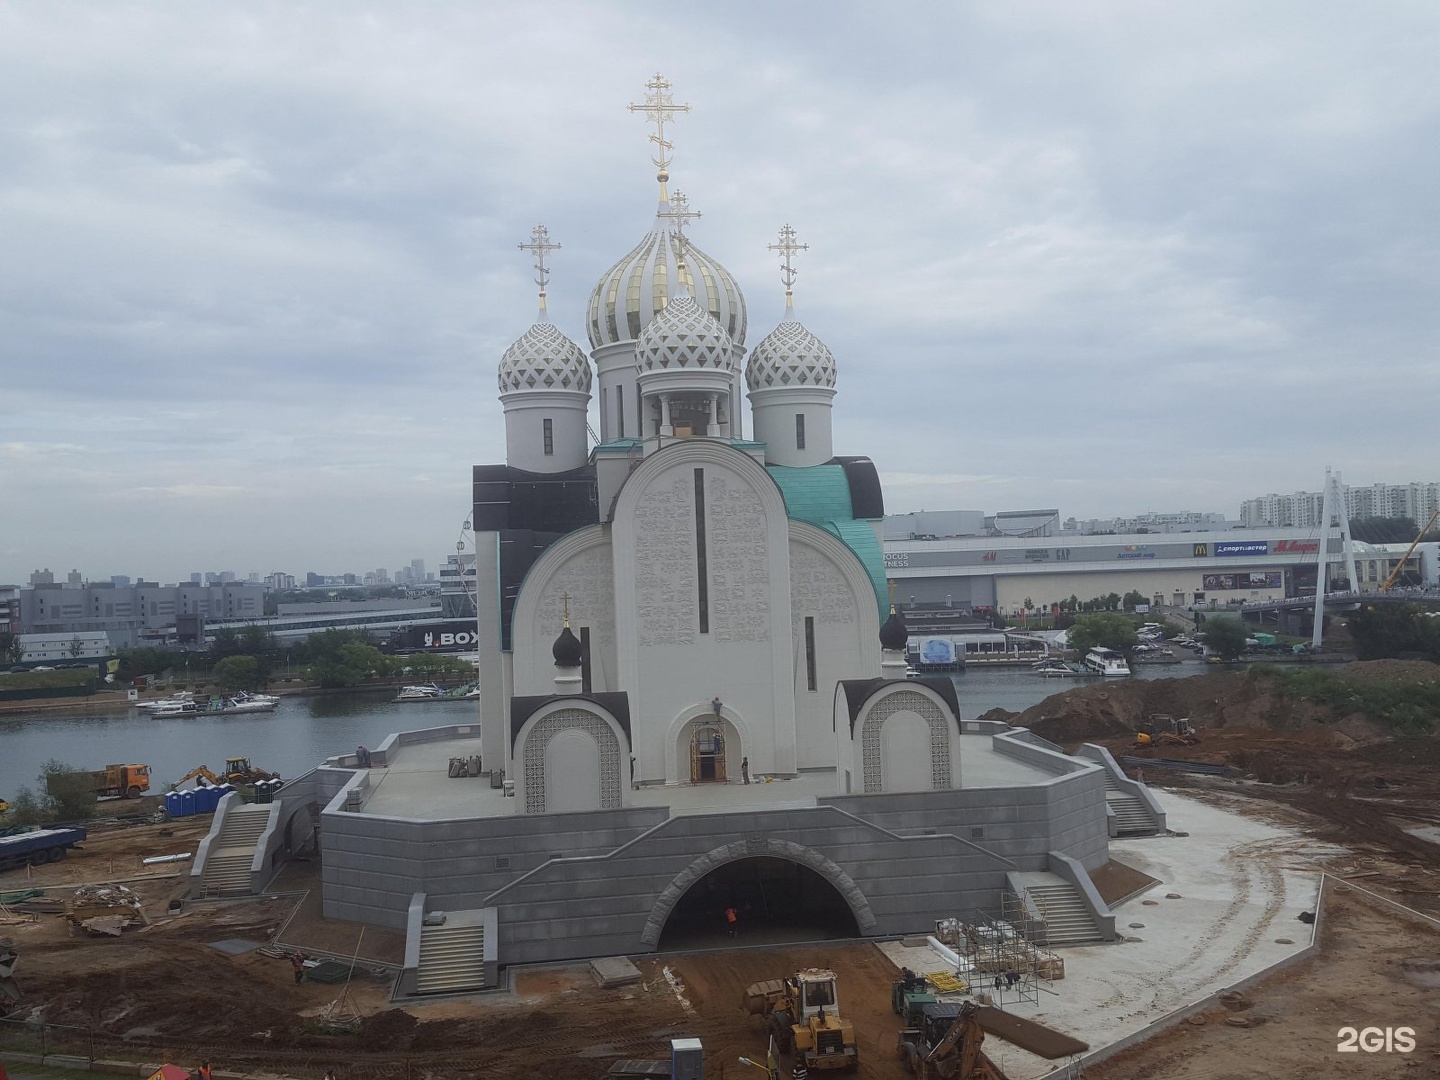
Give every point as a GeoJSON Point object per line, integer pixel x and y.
{"type": "Point", "coordinates": [689, 701]}
{"type": "Point", "coordinates": [704, 592]}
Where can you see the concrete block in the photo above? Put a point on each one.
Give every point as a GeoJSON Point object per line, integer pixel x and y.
{"type": "Point", "coordinates": [74, 1062]}
{"type": "Point", "coordinates": [112, 1068]}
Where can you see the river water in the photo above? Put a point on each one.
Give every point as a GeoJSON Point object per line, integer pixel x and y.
{"type": "Point", "coordinates": [303, 731]}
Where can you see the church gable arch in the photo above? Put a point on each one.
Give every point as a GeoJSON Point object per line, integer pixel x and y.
{"type": "Point", "coordinates": [906, 742]}
{"type": "Point", "coordinates": [570, 759]}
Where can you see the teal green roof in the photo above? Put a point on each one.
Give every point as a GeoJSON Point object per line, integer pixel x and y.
{"type": "Point", "coordinates": [820, 495]}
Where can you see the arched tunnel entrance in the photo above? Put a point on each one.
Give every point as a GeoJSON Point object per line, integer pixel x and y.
{"type": "Point", "coordinates": [776, 901]}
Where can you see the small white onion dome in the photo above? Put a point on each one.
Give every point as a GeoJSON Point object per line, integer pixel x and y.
{"type": "Point", "coordinates": [544, 358]}
{"type": "Point", "coordinates": [636, 289]}
{"type": "Point", "coordinates": [684, 337]}
{"type": "Point", "coordinates": [790, 355]}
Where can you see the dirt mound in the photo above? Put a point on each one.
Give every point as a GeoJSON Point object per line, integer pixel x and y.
{"type": "Point", "coordinates": [1404, 750]}
{"type": "Point", "coordinates": [393, 1029]}
{"type": "Point", "coordinates": [1398, 670]}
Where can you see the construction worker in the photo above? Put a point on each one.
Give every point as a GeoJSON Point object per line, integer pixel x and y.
{"type": "Point", "coordinates": [204, 1071]}
{"type": "Point", "coordinates": [732, 920]}
{"type": "Point", "coordinates": [745, 769]}
{"type": "Point", "coordinates": [799, 1072]}
{"type": "Point", "coordinates": [297, 961]}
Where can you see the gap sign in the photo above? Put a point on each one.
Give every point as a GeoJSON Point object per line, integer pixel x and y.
{"type": "Point", "coordinates": [1243, 547]}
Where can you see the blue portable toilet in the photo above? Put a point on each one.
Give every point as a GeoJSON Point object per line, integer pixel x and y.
{"type": "Point", "coordinates": [172, 804]}
{"type": "Point", "coordinates": [187, 804]}
{"type": "Point", "coordinates": [207, 802]}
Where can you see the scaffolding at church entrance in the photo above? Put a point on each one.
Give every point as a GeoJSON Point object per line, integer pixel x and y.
{"type": "Point", "coordinates": [1000, 959]}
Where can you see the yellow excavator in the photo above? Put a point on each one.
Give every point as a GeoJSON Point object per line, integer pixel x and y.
{"type": "Point", "coordinates": [947, 1044]}
{"type": "Point", "coordinates": [1160, 729]}
{"type": "Point", "coordinates": [237, 771]}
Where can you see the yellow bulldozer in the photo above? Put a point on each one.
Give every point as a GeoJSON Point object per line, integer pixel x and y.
{"type": "Point", "coordinates": [803, 1013]}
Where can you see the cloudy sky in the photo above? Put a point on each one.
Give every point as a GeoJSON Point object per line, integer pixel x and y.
{"type": "Point", "coordinates": [258, 261]}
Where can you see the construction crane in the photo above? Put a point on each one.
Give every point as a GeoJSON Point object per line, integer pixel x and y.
{"type": "Point", "coordinates": [1389, 582]}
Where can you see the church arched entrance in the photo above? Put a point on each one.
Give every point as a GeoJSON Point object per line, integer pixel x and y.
{"type": "Point", "coordinates": [776, 901]}
{"type": "Point", "coordinates": [707, 751]}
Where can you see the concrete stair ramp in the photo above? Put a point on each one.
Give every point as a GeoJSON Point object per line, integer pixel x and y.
{"type": "Point", "coordinates": [227, 867]}
{"type": "Point", "coordinates": [1132, 817]}
{"type": "Point", "coordinates": [1067, 921]}
{"type": "Point", "coordinates": [452, 957]}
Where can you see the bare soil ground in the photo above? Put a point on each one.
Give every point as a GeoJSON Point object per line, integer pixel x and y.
{"type": "Point", "coordinates": [162, 990]}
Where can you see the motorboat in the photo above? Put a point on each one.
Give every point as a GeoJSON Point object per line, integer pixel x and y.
{"type": "Point", "coordinates": [1055, 668]}
{"type": "Point", "coordinates": [1107, 662]}
{"type": "Point", "coordinates": [183, 697]}
{"type": "Point", "coordinates": [165, 710]}
{"type": "Point", "coordinates": [247, 703]}
{"type": "Point", "coordinates": [421, 692]}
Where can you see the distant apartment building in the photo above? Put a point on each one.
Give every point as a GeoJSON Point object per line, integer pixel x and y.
{"type": "Point", "coordinates": [1178, 522]}
{"type": "Point", "coordinates": [279, 581]}
{"type": "Point", "coordinates": [9, 609]}
{"type": "Point", "coordinates": [125, 613]}
{"type": "Point", "coordinates": [1302, 509]}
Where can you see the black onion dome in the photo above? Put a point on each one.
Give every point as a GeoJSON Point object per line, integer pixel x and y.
{"type": "Point", "coordinates": [566, 650]}
{"type": "Point", "coordinates": [894, 634]}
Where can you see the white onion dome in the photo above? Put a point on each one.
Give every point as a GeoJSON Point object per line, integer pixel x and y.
{"type": "Point", "coordinates": [684, 337]}
{"type": "Point", "coordinates": [636, 289]}
{"type": "Point", "coordinates": [544, 359]}
{"type": "Point", "coordinates": [790, 355]}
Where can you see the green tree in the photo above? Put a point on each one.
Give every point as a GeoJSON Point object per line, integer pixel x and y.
{"type": "Point", "coordinates": [349, 665]}
{"type": "Point", "coordinates": [1169, 630]}
{"type": "Point", "coordinates": [239, 673]}
{"type": "Point", "coordinates": [1387, 631]}
{"type": "Point", "coordinates": [68, 793]}
{"type": "Point", "coordinates": [25, 809]}
{"type": "Point", "coordinates": [11, 648]}
{"type": "Point", "coordinates": [1225, 637]}
{"type": "Point", "coordinates": [1131, 598]}
{"type": "Point", "coordinates": [1106, 630]}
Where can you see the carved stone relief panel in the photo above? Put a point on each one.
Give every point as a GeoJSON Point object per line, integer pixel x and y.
{"type": "Point", "coordinates": [738, 552]}
{"type": "Point", "coordinates": [589, 580]}
{"type": "Point", "coordinates": [870, 741]}
{"type": "Point", "coordinates": [533, 755]}
{"type": "Point", "coordinates": [818, 588]}
{"type": "Point", "coordinates": [666, 592]}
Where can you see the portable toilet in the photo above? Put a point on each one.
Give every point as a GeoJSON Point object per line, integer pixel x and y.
{"type": "Point", "coordinates": [173, 804]}
{"type": "Point", "coordinates": [187, 804]}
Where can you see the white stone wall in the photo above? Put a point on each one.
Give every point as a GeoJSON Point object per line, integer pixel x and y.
{"type": "Point", "coordinates": [665, 663]}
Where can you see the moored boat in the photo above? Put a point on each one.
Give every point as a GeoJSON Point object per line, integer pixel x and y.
{"type": "Point", "coordinates": [1106, 662]}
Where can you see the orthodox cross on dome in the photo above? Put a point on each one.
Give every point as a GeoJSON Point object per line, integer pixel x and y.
{"type": "Point", "coordinates": [565, 599]}
{"type": "Point", "coordinates": [678, 210]}
{"type": "Point", "coordinates": [659, 110]}
{"type": "Point", "coordinates": [889, 584]}
{"type": "Point", "coordinates": [787, 247]}
{"type": "Point", "coordinates": [541, 246]}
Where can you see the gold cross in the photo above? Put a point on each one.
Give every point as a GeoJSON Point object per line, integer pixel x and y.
{"type": "Point", "coordinates": [787, 248]}
{"type": "Point", "coordinates": [891, 586]}
{"type": "Point", "coordinates": [565, 599]}
{"type": "Point", "coordinates": [540, 244]}
{"type": "Point", "coordinates": [659, 110]}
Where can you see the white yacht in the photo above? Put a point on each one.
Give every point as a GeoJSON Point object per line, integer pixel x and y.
{"type": "Point", "coordinates": [1107, 662]}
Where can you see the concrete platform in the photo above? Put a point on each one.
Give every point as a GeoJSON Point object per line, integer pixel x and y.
{"type": "Point", "coordinates": [417, 785]}
{"type": "Point", "coordinates": [610, 971]}
{"type": "Point", "coordinates": [1242, 884]}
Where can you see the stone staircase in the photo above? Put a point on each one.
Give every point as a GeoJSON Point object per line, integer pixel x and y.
{"type": "Point", "coordinates": [452, 958]}
{"type": "Point", "coordinates": [1067, 920]}
{"type": "Point", "coordinates": [227, 867]}
{"type": "Point", "coordinates": [1132, 816]}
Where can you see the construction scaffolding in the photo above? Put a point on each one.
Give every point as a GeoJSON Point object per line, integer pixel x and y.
{"type": "Point", "coordinates": [1000, 961]}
